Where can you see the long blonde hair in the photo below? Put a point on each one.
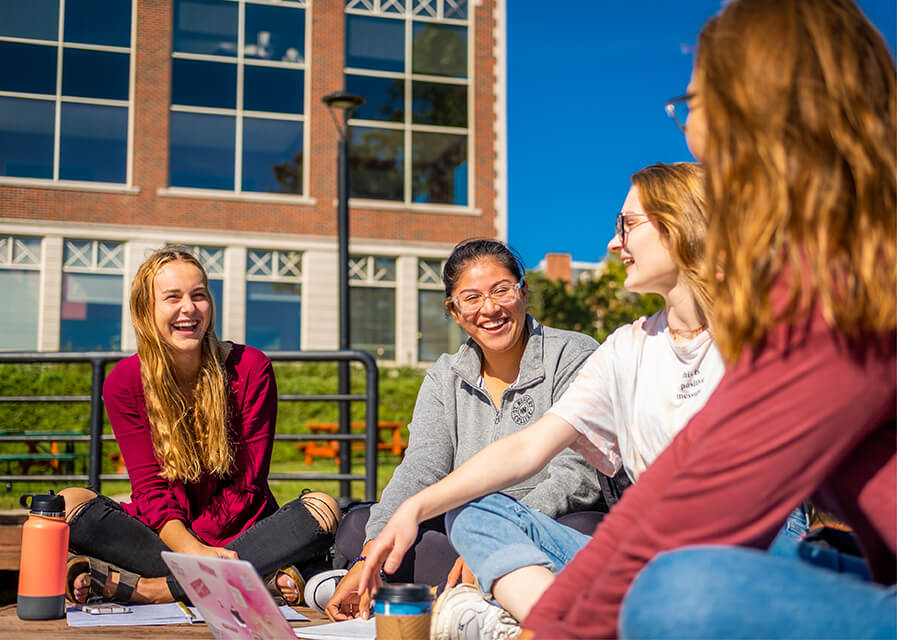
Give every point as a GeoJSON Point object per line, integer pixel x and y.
{"type": "Point", "coordinates": [188, 440]}
{"type": "Point", "coordinates": [673, 197]}
{"type": "Point", "coordinates": [799, 102]}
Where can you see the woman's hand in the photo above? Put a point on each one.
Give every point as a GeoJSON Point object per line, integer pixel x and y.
{"type": "Point", "coordinates": [216, 552]}
{"type": "Point", "coordinates": [460, 572]}
{"type": "Point", "coordinates": [347, 601]}
{"type": "Point", "coordinates": [388, 548]}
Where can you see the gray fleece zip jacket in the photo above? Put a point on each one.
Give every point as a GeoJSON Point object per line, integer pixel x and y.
{"type": "Point", "coordinates": [454, 418]}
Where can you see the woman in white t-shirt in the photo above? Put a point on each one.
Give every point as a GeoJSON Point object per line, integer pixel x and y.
{"type": "Point", "coordinates": [633, 395]}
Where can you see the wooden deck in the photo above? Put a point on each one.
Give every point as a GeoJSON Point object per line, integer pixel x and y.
{"type": "Point", "coordinates": [12, 627]}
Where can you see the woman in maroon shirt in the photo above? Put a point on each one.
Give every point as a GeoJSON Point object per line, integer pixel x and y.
{"type": "Point", "coordinates": [194, 419]}
{"type": "Point", "coordinates": [794, 114]}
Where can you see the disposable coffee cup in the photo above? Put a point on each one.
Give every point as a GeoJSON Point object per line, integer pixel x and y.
{"type": "Point", "coordinates": [402, 611]}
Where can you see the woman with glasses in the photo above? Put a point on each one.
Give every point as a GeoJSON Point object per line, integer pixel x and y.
{"type": "Point", "coordinates": [510, 370]}
{"type": "Point", "coordinates": [794, 115]}
{"type": "Point", "coordinates": [638, 389]}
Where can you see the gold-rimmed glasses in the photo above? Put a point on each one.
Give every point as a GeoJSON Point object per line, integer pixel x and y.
{"type": "Point", "coordinates": [472, 301]}
{"type": "Point", "coordinates": [677, 109]}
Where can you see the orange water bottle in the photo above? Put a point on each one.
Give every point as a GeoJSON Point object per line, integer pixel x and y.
{"type": "Point", "coordinates": [45, 544]}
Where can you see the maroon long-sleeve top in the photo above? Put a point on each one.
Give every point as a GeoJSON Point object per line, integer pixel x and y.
{"type": "Point", "coordinates": [809, 413]}
{"type": "Point", "coordinates": [216, 509]}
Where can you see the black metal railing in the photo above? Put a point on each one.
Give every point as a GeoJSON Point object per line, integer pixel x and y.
{"type": "Point", "coordinates": [98, 361]}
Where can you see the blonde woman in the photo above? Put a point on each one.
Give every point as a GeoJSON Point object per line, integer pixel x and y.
{"type": "Point", "coordinates": [626, 405]}
{"type": "Point", "coordinates": [195, 420]}
{"type": "Point", "coordinates": [793, 111]}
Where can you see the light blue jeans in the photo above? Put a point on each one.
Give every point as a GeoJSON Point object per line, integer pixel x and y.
{"type": "Point", "coordinates": [730, 592]}
{"type": "Point", "coordinates": [496, 534]}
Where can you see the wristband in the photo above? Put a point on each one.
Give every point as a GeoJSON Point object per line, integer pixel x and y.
{"type": "Point", "coordinates": [357, 559]}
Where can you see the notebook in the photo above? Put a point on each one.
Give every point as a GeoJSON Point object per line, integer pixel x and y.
{"type": "Point", "coordinates": [231, 597]}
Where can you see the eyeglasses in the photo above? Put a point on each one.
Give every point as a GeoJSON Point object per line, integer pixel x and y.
{"type": "Point", "coordinates": [621, 229]}
{"type": "Point", "coordinates": [677, 109]}
{"type": "Point", "coordinates": [472, 301]}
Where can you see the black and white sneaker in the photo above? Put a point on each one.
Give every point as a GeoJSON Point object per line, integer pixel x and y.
{"type": "Point", "coordinates": [320, 588]}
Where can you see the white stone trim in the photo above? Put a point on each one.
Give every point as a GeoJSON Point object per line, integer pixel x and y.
{"type": "Point", "coordinates": [50, 296]}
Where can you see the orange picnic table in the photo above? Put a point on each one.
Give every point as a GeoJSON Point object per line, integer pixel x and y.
{"type": "Point", "coordinates": [389, 439]}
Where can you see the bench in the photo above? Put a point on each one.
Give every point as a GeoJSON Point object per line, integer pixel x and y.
{"type": "Point", "coordinates": [54, 458]}
{"type": "Point", "coordinates": [392, 442]}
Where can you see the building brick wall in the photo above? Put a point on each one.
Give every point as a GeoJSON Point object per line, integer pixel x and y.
{"type": "Point", "coordinates": [147, 207]}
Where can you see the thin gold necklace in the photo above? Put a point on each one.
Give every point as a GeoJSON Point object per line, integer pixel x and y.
{"type": "Point", "coordinates": [686, 333]}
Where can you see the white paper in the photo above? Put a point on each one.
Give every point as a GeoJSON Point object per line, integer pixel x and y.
{"type": "Point", "coordinates": [141, 614]}
{"type": "Point", "coordinates": [356, 629]}
{"type": "Point", "coordinates": [150, 614]}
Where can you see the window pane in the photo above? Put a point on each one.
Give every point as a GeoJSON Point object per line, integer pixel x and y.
{"type": "Point", "coordinates": [91, 312]}
{"type": "Point", "coordinates": [93, 143]}
{"type": "Point", "coordinates": [98, 22]}
{"type": "Point", "coordinates": [216, 288]}
{"type": "Point", "coordinates": [18, 313]}
{"type": "Point", "coordinates": [202, 151]}
{"type": "Point", "coordinates": [204, 84]}
{"type": "Point", "coordinates": [205, 26]}
{"type": "Point", "coordinates": [440, 104]}
{"type": "Point", "coordinates": [272, 315]}
{"type": "Point", "coordinates": [95, 74]}
{"type": "Point", "coordinates": [269, 89]}
{"type": "Point", "coordinates": [436, 333]}
{"type": "Point", "coordinates": [272, 156]}
{"type": "Point", "coordinates": [439, 49]}
{"type": "Point", "coordinates": [375, 163]}
{"type": "Point", "coordinates": [26, 137]}
{"type": "Point", "coordinates": [29, 68]}
{"type": "Point", "coordinates": [384, 98]}
{"type": "Point", "coordinates": [373, 321]}
{"type": "Point", "coordinates": [275, 33]}
{"type": "Point", "coordinates": [33, 19]}
{"type": "Point", "coordinates": [375, 43]}
{"type": "Point", "coordinates": [439, 172]}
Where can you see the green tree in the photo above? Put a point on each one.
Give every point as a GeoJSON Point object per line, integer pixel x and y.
{"type": "Point", "coordinates": [596, 306]}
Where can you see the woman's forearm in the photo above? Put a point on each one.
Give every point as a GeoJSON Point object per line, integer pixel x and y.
{"type": "Point", "coordinates": [178, 537]}
{"type": "Point", "coordinates": [503, 463]}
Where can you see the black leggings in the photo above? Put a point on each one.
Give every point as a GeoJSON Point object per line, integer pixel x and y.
{"type": "Point", "coordinates": [290, 536]}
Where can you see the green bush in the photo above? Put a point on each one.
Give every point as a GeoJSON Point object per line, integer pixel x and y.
{"type": "Point", "coordinates": [397, 392]}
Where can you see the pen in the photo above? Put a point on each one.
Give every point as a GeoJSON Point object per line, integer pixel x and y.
{"type": "Point", "coordinates": [186, 611]}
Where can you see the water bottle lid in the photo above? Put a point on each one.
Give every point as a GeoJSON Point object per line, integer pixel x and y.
{"type": "Point", "coordinates": [44, 504]}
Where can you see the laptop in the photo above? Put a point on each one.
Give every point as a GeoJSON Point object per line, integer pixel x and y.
{"type": "Point", "coordinates": [231, 597]}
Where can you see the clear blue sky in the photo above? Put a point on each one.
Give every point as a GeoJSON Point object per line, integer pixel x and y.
{"type": "Point", "coordinates": [586, 84]}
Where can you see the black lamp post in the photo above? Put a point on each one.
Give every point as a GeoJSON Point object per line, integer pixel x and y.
{"type": "Point", "coordinates": [347, 103]}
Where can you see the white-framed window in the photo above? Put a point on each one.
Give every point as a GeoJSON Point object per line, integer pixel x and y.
{"type": "Point", "coordinates": [238, 99]}
{"type": "Point", "coordinates": [65, 90]}
{"type": "Point", "coordinates": [437, 333]}
{"type": "Point", "coordinates": [212, 260]}
{"type": "Point", "coordinates": [410, 61]}
{"type": "Point", "coordinates": [273, 299]}
{"type": "Point", "coordinates": [372, 300]}
{"type": "Point", "coordinates": [92, 293]}
{"type": "Point", "coordinates": [20, 264]}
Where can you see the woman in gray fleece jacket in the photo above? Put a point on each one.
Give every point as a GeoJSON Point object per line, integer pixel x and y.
{"type": "Point", "coordinates": [507, 374]}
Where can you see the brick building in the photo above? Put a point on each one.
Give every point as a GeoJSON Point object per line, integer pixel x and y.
{"type": "Point", "coordinates": [129, 124]}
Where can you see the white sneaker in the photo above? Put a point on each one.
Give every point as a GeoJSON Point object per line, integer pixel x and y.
{"type": "Point", "coordinates": [463, 613]}
{"type": "Point", "coordinates": [320, 587]}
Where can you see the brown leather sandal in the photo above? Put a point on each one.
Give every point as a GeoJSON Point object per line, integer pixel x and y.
{"type": "Point", "coordinates": [99, 573]}
{"type": "Point", "coordinates": [274, 589]}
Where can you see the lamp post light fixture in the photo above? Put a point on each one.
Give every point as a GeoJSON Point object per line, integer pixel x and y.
{"type": "Point", "coordinates": [347, 103]}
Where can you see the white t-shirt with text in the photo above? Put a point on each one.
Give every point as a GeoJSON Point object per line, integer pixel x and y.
{"type": "Point", "coordinates": [636, 392]}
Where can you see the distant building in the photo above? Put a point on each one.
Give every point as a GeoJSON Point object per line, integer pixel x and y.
{"type": "Point", "coordinates": [129, 124]}
{"type": "Point", "coordinates": [560, 266]}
